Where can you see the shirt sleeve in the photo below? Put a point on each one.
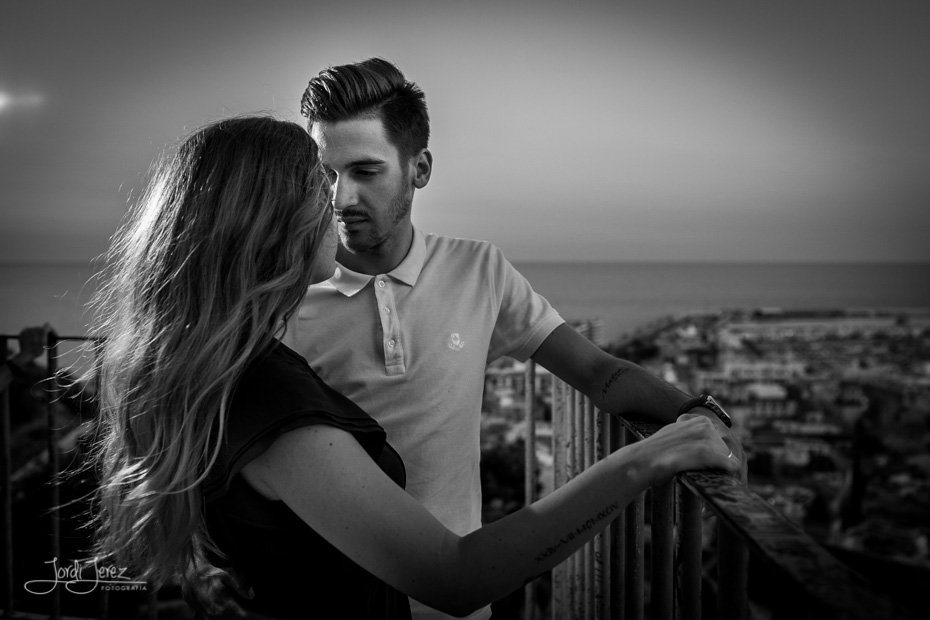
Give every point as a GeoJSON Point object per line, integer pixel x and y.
{"type": "Point", "coordinates": [276, 395]}
{"type": "Point", "coordinates": [525, 319]}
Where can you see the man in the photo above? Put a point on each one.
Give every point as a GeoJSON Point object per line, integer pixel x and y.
{"type": "Point", "coordinates": [409, 321]}
{"type": "Point", "coordinates": [32, 343]}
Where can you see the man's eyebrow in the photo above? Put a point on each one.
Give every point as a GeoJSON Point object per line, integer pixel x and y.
{"type": "Point", "coordinates": [366, 162]}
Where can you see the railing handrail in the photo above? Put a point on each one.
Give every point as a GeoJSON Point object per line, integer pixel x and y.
{"type": "Point", "coordinates": [746, 525]}
{"type": "Point", "coordinates": [782, 544]}
{"type": "Point", "coordinates": [53, 336]}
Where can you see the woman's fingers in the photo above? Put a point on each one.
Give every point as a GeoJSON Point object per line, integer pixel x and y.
{"type": "Point", "coordinates": [733, 464]}
{"type": "Point", "coordinates": [732, 445]}
{"type": "Point", "coordinates": [692, 442]}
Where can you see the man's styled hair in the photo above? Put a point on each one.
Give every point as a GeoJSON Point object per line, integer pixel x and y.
{"type": "Point", "coordinates": [373, 88]}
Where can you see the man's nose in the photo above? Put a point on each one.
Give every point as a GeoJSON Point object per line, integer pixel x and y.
{"type": "Point", "coordinates": [345, 194]}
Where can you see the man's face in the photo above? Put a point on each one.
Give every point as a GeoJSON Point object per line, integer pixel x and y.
{"type": "Point", "coordinates": [372, 191]}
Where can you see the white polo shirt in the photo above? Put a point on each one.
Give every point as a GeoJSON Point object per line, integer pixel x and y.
{"type": "Point", "coordinates": [410, 347]}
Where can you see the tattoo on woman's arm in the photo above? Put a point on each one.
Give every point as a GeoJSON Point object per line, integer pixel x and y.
{"type": "Point", "coordinates": [578, 531]}
{"type": "Point", "coordinates": [610, 381]}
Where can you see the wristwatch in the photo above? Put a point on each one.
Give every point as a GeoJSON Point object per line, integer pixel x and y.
{"type": "Point", "coordinates": [707, 401]}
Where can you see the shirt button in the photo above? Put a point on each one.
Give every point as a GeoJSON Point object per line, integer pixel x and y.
{"type": "Point", "coordinates": [381, 283]}
{"type": "Point", "coordinates": [386, 310]}
{"type": "Point", "coordinates": [391, 343]}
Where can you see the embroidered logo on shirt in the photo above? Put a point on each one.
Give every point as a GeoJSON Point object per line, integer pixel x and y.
{"type": "Point", "coordinates": [455, 342]}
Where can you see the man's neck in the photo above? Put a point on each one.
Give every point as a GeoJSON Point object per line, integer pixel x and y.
{"type": "Point", "coordinates": [382, 259]}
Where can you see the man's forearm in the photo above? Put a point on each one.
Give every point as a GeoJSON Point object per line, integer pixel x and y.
{"type": "Point", "coordinates": [630, 390]}
{"type": "Point", "coordinates": [619, 386]}
{"type": "Point", "coordinates": [614, 385]}
{"type": "Point", "coordinates": [636, 394]}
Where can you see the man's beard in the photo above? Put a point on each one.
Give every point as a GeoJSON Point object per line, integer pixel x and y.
{"type": "Point", "coordinates": [371, 241]}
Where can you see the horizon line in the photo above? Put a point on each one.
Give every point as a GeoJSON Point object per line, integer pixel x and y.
{"type": "Point", "coordinates": [584, 261]}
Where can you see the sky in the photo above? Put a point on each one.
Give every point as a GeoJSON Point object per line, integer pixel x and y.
{"type": "Point", "coordinates": [561, 131]}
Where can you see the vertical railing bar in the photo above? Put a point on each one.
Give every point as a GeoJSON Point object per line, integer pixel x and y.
{"type": "Point", "coordinates": [662, 592]}
{"type": "Point", "coordinates": [617, 538]}
{"type": "Point", "coordinates": [529, 474]}
{"type": "Point", "coordinates": [53, 462]}
{"type": "Point", "coordinates": [578, 565]}
{"type": "Point", "coordinates": [569, 474]}
{"type": "Point", "coordinates": [569, 405]}
{"type": "Point", "coordinates": [152, 597]}
{"type": "Point", "coordinates": [104, 601]}
{"type": "Point", "coordinates": [559, 468]}
{"type": "Point", "coordinates": [602, 540]}
{"type": "Point", "coordinates": [589, 449]}
{"type": "Point", "coordinates": [529, 479]}
{"type": "Point", "coordinates": [584, 608]}
{"type": "Point", "coordinates": [732, 578]}
{"type": "Point", "coordinates": [584, 554]}
{"type": "Point", "coordinates": [558, 435]}
{"type": "Point", "coordinates": [6, 511]}
{"type": "Point", "coordinates": [634, 555]}
{"type": "Point", "coordinates": [690, 545]}
{"type": "Point", "coordinates": [567, 434]}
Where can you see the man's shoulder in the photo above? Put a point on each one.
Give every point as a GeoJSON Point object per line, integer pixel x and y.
{"type": "Point", "coordinates": [443, 246]}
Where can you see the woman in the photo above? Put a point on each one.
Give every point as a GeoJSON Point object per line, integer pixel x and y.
{"type": "Point", "coordinates": [220, 447]}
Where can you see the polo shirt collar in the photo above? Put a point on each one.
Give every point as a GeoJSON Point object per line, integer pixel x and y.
{"type": "Point", "coordinates": [350, 282]}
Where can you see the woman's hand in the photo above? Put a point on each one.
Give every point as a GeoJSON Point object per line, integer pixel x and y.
{"type": "Point", "coordinates": [729, 438]}
{"type": "Point", "coordinates": [691, 442]}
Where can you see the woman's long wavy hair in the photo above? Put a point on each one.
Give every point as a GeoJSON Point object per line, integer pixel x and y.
{"type": "Point", "coordinates": [201, 276]}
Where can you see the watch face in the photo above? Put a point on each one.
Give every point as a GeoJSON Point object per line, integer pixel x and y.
{"type": "Point", "coordinates": [715, 406]}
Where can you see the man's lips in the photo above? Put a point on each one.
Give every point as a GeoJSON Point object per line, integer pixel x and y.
{"type": "Point", "coordinates": [350, 218]}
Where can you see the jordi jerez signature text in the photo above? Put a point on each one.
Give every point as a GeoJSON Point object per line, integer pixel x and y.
{"type": "Point", "coordinates": [83, 578]}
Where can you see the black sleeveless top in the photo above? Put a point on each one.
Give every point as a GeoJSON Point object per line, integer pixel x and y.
{"type": "Point", "coordinates": [293, 571]}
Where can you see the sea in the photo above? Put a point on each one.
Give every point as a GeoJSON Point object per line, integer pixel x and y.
{"type": "Point", "coordinates": [624, 296]}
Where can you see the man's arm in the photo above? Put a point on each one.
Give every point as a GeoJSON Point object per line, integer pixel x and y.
{"type": "Point", "coordinates": [618, 386]}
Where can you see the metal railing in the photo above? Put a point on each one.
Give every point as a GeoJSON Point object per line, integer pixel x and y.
{"type": "Point", "coordinates": [607, 578]}
{"type": "Point", "coordinates": [49, 458]}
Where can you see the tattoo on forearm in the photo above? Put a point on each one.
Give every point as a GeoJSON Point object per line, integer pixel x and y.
{"type": "Point", "coordinates": [578, 531]}
{"type": "Point", "coordinates": [610, 381]}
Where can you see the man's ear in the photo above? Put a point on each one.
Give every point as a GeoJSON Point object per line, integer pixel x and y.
{"type": "Point", "coordinates": [423, 167]}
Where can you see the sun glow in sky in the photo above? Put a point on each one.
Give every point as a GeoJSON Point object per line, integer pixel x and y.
{"type": "Point", "coordinates": [8, 100]}
{"type": "Point", "coordinates": [788, 131]}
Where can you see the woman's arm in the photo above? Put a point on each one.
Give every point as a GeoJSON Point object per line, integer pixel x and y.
{"type": "Point", "coordinates": [324, 475]}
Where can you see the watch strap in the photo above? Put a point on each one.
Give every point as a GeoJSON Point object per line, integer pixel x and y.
{"type": "Point", "coordinates": [707, 401]}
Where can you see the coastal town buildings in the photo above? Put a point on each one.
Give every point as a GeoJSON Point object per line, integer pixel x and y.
{"type": "Point", "coordinates": [832, 407]}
